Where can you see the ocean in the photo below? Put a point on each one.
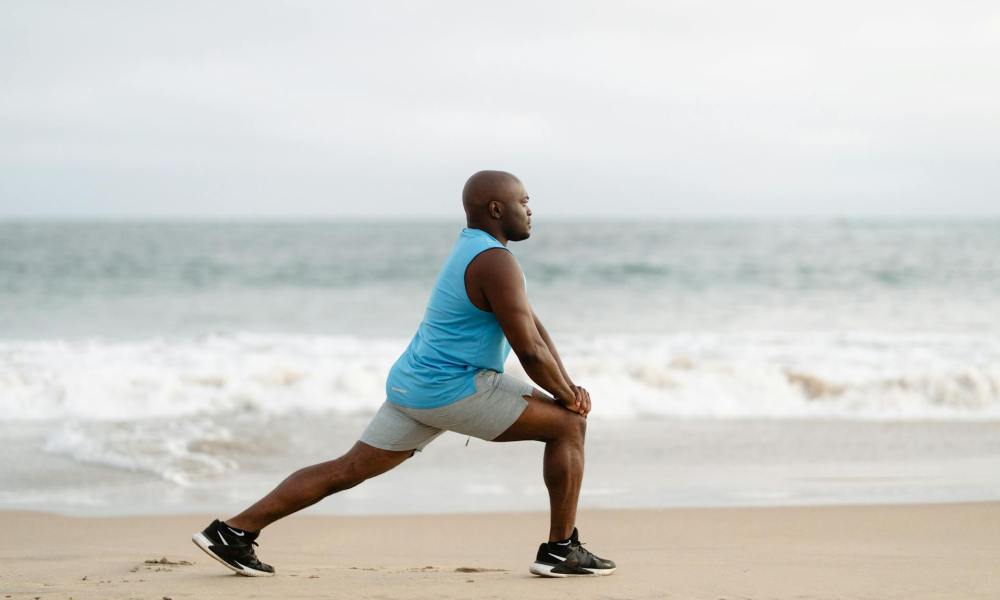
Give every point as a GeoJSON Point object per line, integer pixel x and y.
{"type": "Point", "coordinates": [171, 366]}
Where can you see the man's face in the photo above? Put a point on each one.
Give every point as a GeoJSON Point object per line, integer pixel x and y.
{"type": "Point", "coordinates": [516, 219]}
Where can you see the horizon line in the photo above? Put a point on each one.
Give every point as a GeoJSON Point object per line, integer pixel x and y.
{"type": "Point", "coordinates": [444, 219]}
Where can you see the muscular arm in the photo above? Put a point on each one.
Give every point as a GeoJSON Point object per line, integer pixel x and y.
{"type": "Point", "coordinates": [551, 346]}
{"type": "Point", "coordinates": [498, 276]}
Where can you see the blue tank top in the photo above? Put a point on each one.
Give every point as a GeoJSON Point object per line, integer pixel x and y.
{"type": "Point", "coordinates": [455, 338]}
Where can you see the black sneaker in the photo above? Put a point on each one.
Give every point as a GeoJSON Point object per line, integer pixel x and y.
{"type": "Point", "coordinates": [571, 560]}
{"type": "Point", "coordinates": [233, 549]}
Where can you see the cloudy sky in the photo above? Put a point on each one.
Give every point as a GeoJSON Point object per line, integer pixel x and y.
{"type": "Point", "coordinates": [668, 109]}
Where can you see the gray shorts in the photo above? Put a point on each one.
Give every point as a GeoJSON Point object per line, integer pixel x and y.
{"type": "Point", "coordinates": [495, 406]}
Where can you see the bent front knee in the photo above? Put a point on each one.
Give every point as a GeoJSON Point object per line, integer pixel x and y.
{"type": "Point", "coordinates": [574, 428]}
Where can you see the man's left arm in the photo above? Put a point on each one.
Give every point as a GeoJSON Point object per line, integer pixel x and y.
{"type": "Point", "coordinates": [552, 348]}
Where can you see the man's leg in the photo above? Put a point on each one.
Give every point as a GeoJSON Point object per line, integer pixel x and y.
{"type": "Point", "coordinates": [308, 486]}
{"type": "Point", "coordinates": [563, 432]}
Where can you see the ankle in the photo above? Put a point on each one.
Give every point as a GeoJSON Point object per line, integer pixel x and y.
{"type": "Point", "coordinates": [561, 540]}
{"type": "Point", "coordinates": [239, 526]}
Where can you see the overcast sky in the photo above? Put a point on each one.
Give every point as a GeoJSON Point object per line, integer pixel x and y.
{"type": "Point", "coordinates": [667, 109]}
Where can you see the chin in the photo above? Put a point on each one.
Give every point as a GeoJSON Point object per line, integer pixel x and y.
{"type": "Point", "coordinates": [517, 235]}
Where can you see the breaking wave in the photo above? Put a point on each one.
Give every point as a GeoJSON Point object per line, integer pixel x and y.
{"type": "Point", "coordinates": [884, 377]}
{"type": "Point", "coordinates": [176, 408]}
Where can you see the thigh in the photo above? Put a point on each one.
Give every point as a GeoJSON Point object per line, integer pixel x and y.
{"type": "Point", "coordinates": [544, 419]}
{"type": "Point", "coordinates": [393, 430]}
{"type": "Point", "coordinates": [369, 461]}
{"type": "Point", "coordinates": [497, 403]}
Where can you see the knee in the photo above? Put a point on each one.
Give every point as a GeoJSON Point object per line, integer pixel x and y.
{"type": "Point", "coordinates": [355, 468]}
{"type": "Point", "coordinates": [575, 428]}
{"type": "Point", "coordinates": [581, 425]}
{"type": "Point", "coordinates": [341, 486]}
{"type": "Point", "coordinates": [347, 472]}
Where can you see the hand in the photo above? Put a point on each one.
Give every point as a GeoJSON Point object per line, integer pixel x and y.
{"type": "Point", "coordinates": [582, 400]}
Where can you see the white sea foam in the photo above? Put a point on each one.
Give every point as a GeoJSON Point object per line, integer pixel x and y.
{"type": "Point", "coordinates": [217, 374]}
{"type": "Point", "coordinates": [882, 377]}
{"type": "Point", "coordinates": [172, 408]}
{"type": "Point", "coordinates": [766, 375]}
{"type": "Point", "coordinates": [179, 451]}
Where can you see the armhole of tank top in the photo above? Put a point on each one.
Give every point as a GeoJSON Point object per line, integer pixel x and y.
{"type": "Point", "coordinates": [466, 272]}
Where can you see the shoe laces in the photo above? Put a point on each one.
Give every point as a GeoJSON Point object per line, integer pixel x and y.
{"type": "Point", "coordinates": [581, 545]}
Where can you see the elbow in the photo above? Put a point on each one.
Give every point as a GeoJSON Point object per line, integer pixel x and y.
{"type": "Point", "coordinates": [531, 354]}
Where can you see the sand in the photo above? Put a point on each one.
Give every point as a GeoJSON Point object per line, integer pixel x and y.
{"type": "Point", "coordinates": [858, 552]}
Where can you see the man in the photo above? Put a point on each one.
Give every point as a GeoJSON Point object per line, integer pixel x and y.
{"type": "Point", "coordinates": [451, 378]}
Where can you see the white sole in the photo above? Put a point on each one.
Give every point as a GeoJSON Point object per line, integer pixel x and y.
{"type": "Point", "coordinates": [204, 543]}
{"type": "Point", "coordinates": [544, 570]}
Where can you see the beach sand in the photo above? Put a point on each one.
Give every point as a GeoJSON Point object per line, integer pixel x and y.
{"type": "Point", "coordinates": [876, 552]}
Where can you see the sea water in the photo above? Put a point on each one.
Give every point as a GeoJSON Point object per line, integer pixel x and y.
{"type": "Point", "coordinates": [189, 366]}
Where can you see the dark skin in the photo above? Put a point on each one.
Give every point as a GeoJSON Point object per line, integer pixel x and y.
{"type": "Point", "coordinates": [497, 203]}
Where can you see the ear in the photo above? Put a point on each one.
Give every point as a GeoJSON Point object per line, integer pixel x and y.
{"type": "Point", "coordinates": [495, 210]}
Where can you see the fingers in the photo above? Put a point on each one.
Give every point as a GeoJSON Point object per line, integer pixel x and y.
{"type": "Point", "coordinates": [571, 404]}
{"type": "Point", "coordinates": [582, 400]}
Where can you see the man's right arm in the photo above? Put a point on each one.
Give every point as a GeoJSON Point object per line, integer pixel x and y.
{"type": "Point", "coordinates": [498, 275]}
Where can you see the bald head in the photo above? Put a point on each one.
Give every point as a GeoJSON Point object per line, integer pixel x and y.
{"type": "Point", "coordinates": [486, 186]}
{"type": "Point", "coordinates": [496, 201]}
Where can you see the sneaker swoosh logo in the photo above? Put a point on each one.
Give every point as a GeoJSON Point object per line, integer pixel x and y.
{"type": "Point", "coordinates": [557, 556]}
{"type": "Point", "coordinates": [239, 533]}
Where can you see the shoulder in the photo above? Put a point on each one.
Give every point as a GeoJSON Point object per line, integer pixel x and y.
{"type": "Point", "coordinates": [493, 265]}
{"type": "Point", "coordinates": [496, 258]}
